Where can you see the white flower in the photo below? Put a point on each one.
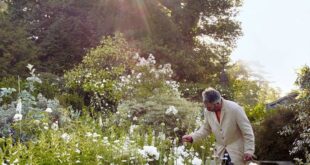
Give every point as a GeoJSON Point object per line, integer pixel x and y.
{"type": "Point", "coordinates": [171, 110]}
{"type": "Point", "coordinates": [66, 137]}
{"type": "Point", "coordinates": [132, 128]}
{"type": "Point", "coordinates": [142, 62]}
{"type": "Point", "coordinates": [49, 110]}
{"type": "Point", "coordinates": [15, 161]}
{"type": "Point", "coordinates": [34, 79]}
{"type": "Point", "coordinates": [175, 129]}
{"type": "Point", "coordinates": [251, 163]}
{"type": "Point", "coordinates": [29, 66]}
{"type": "Point", "coordinates": [135, 118]}
{"type": "Point", "coordinates": [19, 106]}
{"type": "Point", "coordinates": [95, 135]}
{"type": "Point", "coordinates": [77, 151]}
{"type": "Point", "coordinates": [180, 161]}
{"type": "Point", "coordinates": [99, 157]}
{"type": "Point", "coordinates": [126, 143]}
{"type": "Point", "coordinates": [196, 161]}
{"type": "Point", "coordinates": [88, 134]}
{"type": "Point", "coordinates": [78, 161]}
{"type": "Point", "coordinates": [17, 117]}
{"type": "Point", "coordinates": [180, 151]}
{"type": "Point", "coordinates": [36, 122]}
{"type": "Point", "coordinates": [100, 121]}
{"type": "Point", "coordinates": [54, 126]}
{"type": "Point", "coordinates": [161, 136]}
{"type": "Point", "coordinates": [151, 59]}
{"type": "Point", "coordinates": [116, 141]}
{"type": "Point", "coordinates": [136, 56]}
{"type": "Point", "coordinates": [25, 9]}
{"type": "Point", "coordinates": [138, 76]}
{"type": "Point", "coordinates": [149, 152]}
{"type": "Point", "coordinates": [165, 159]}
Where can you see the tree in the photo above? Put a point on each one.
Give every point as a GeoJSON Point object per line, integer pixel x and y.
{"type": "Point", "coordinates": [113, 72]}
{"type": "Point", "coordinates": [16, 48]}
{"type": "Point", "coordinates": [291, 122]}
{"type": "Point", "coordinates": [176, 36]}
{"type": "Point", "coordinates": [3, 6]}
{"type": "Point", "coordinates": [250, 90]}
{"type": "Point", "coordinates": [302, 125]}
{"type": "Point", "coordinates": [171, 30]}
{"type": "Point", "coordinates": [59, 28]}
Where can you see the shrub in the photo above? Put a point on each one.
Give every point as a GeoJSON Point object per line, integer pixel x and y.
{"type": "Point", "coordinates": [51, 86]}
{"type": "Point", "coordinates": [164, 113]}
{"type": "Point", "coordinates": [28, 106]}
{"type": "Point", "coordinates": [301, 126]}
{"type": "Point", "coordinates": [99, 73]}
{"type": "Point", "coordinates": [82, 141]}
{"type": "Point", "coordinates": [8, 84]}
{"type": "Point", "coordinates": [269, 144]}
{"type": "Point", "coordinates": [192, 91]}
{"type": "Point", "coordinates": [113, 72]}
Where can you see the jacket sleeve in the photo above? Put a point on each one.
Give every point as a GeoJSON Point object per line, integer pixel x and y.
{"type": "Point", "coordinates": [247, 131]}
{"type": "Point", "coordinates": [203, 131]}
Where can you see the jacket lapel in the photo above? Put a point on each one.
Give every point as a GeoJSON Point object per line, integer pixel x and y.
{"type": "Point", "coordinates": [215, 119]}
{"type": "Point", "coordinates": [222, 115]}
{"type": "Point", "coordinates": [222, 111]}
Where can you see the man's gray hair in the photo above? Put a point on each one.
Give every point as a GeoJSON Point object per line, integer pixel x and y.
{"type": "Point", "coordinates": [211, 95]}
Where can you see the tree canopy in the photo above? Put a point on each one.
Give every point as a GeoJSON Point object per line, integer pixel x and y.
{"type": "Point", "coordinates": [191, 35]}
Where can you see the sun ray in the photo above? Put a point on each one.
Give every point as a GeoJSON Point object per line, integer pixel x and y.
{"type": "Point", "coordinates": [144, 13]}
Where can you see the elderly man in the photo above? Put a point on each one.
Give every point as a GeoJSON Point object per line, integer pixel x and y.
{"type": "Point", "coordinates": [230, 125]}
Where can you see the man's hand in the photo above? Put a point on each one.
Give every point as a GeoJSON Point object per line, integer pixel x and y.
{"type": "Point", "coordinates": [248, 157]}
{"type": "Point", "coordinates": [187, 138]}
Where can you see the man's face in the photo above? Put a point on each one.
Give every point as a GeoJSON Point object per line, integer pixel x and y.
{"type": "Point", "coordinates": [213, 107]}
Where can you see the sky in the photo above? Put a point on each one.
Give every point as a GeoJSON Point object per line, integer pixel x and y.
{"type": "Point", "coordinates": [276, 39]}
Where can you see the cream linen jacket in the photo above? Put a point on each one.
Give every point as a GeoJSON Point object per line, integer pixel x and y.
{"type": "Point", "coordinates": [234, 132]}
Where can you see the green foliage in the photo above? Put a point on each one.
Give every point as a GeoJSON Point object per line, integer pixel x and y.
{"type": "Point", "coordinates": [292, 123]}
{"type": "Point", "coordinates": [29, 106]}
{"type": "Point", "coordinates": [83, 141]}
{"type": "Point", "coordinates": [148, 79]}
{"type": "Point", "coordinates": [301, 126]}
{"type": "Point", "coordinates": [100, 72]}
{"type": "Point", "coordinates": [258, 113]}
{"type": "Point", "coordinates": [267, 146]}
{"type": "Point", "coordinates": [73, 100]}
{"type": "Point", "coordinates": [176, 38]}
{"type": "Point", "coordinates": [250, 90]}
{"type": "Point", "coordinates": [16, 48]}
{"type": "Point", "coordinates": [154, 111]}
{"type": "Point", "coordinates": [113, 71]}
{"type": "Point", "coordinates": [193, 91]}
{"type": "Point", "coordinates": [59, 28]}
{"type": "Point", "coordinates": [10, 84]}
{"type": "Point", "coordinates": [65, 31]}
{"type": "Point", "coordinates": [51, 86]}
{"type": "Point", "coordinates": [3, 7]}
{"type": "Point", "coordinates": [303, 78]}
